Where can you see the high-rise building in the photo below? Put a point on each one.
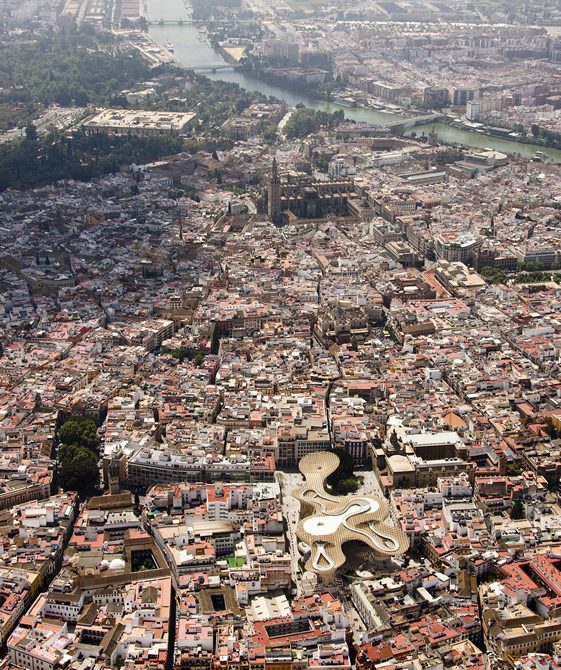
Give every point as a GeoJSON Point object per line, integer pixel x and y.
{"type": "Point", "coordinates": [436, 97]}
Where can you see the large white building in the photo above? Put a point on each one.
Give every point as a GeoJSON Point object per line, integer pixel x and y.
{"type": "Point", "coordinates": [139, 122]}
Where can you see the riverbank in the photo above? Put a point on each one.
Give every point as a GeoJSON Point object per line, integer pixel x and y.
{"type": "Point", "coordinates": [455, 137]}
{"type": "Point", "coordinates": [505, 133]}
{"type": "Point", "coordinates": [192, 52]}
{"type": "Point", "coordinates": [343, 97]}
{"type": "Point", "coordinates": [154, 52]}
{"type": "Point", "coordinates": [520, 147]}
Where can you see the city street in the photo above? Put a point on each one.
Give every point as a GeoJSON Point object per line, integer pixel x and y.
{"type": "Point", "coordinates": [291, 511]}
{"type": "Point", "coordinates": [371, 485]}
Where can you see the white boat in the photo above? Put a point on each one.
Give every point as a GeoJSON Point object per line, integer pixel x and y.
{"type": "Point", "coordinates": [170, 47]}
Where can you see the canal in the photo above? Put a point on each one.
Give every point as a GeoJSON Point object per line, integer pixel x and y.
{"type": "Point", "coordinates": [193, 51]}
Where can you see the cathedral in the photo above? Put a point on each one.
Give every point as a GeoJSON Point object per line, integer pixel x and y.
{"type": "Point", "coordinates": [300, 196]}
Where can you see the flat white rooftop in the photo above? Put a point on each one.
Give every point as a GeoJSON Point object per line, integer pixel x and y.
{"type": "Point", "coordinates": [432, 439]}
{"type": "Point", "coordinates": [137, 119]}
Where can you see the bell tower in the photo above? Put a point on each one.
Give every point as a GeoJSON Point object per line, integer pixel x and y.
{"type": "Point", "coordinates": [274, 195]}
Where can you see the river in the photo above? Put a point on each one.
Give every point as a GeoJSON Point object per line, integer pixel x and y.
{"type": "Point", "coordinates": [192, 51]}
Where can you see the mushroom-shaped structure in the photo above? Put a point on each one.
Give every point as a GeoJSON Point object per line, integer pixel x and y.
{"type": "Point", "coordinates": [327, 521]}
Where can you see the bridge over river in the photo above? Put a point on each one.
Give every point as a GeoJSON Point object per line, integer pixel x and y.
{"type": "Point", "coordinates": [191, 22]}
{"type": "Point", "coordinates": [172, 22]}
{"type": "Point", "coordinates": [411, 122]}
{"type": "Point", "coordinates": [215, 68]}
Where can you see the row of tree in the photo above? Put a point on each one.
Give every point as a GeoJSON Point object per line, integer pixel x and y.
{"type": "Point", "coordinates": [549, 138]}
{"type": "Point", "coordinates": [78, 456]}
{"type": "Point", "coordinates": [499, 276]}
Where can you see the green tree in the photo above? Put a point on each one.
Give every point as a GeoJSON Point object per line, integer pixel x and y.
{"type": "Point", "coordinates": [69, 432]}
{"type": "Point", "coordinates": [79, 65]}
{"type": "Point", "coordinates": [25, 164]}
{"type": "Point", "coordinates": [82, 432]}
{"type": "Point", "coordinates": [513, 469]}
{"type": "Point", "coordinates": [517, 510]}
{"type": "Point", "coordinates": [343, 480]}
{"type": "Point", "coordinates": [347, 485]}
{"type": "Point", "coordinates": [242, 104]}
{"type": "Point", "coordinates": [31, 132]}
{"type": "Point", "coordinates": [78, 470]}
{"type": "Point", "coordinates": [270, 133]}
{"type": "Point", "coordinates": [493, 275]}
{"type": "Point", "coordinates": [305, 121]}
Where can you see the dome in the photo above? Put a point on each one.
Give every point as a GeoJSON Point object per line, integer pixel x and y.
{"type": "Point", "coordinates": [117, 564]}
{"type": "Point", "coordinates": [104, 564]}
